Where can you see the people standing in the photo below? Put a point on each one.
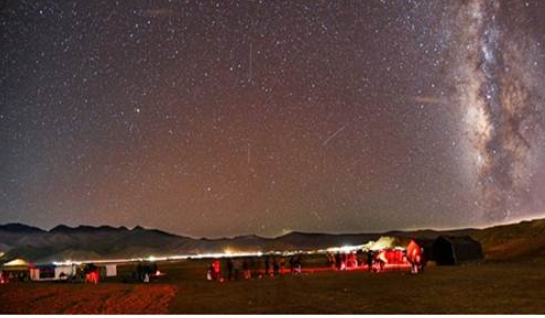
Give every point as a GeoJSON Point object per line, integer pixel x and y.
{"type": "Point", "coordinates": [267, 265]}
{"type": "Point", "coordinates": [246, 269]}
{"type": "Point", "coordinates": [298, 266]}
{"type": "Point", "coordinates": [292, 264]}
{"type": "Point", "coordinates": [217, 270]}
{"type": "Point", "coordinates": [370, 261]}
{"type": "Point", "coordinates": [337, 261]}
{"type": "Point", "coordinates": [424, 260]}
{"type": "Point", "coordinates": [229, 266]}
{"type": "Point", "coordinates": [210, 273]}
{"type": "Point", "coordinates": [276, 267]}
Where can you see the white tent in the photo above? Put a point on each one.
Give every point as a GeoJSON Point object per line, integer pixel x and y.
{"type": "Point", "coordinates": [384, 242]}
{"type": "Point", "coordinates": [52, 272]}
{"type": "Point", "coordinates": [16, 263]}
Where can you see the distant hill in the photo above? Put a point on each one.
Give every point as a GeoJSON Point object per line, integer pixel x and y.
{"type": "Point", "coordinates": [104, 242]}
{"type": "Point", "coordinates": [523, 240]}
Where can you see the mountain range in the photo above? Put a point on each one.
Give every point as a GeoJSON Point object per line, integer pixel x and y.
{"type": "Point", "coordinates": [105, 242]}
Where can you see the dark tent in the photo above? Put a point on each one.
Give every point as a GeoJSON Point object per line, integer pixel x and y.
{"type": "Point", "coordinates": [427, 246]}
{"type": "Point", "coordinates": [451, 250]}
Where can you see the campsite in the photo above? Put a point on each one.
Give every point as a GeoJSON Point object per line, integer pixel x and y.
{"type": "Point", "coordinates": [466, 277]}
{"type": "Point", "coordinates": [272, 157]}
{"type": "Point", "coordinates": [491, 287]}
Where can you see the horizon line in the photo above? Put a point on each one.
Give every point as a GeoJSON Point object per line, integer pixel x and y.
{"type": "Point", "coordinates": [438, 229]}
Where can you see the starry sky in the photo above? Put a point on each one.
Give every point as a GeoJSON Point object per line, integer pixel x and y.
{"type": "Point", "coordinates": [224, 118]}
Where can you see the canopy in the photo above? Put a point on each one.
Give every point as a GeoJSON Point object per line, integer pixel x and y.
{"type": "Point", "coordinates": [16, 264]}
{"type": "Point", "coordinates": [383, 243]}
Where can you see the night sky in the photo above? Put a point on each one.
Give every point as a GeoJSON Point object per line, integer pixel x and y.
{"type": "Point", "coordinates": [227, 118]}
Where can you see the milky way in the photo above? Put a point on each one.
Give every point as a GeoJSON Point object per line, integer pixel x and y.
{"type": "Point", "coordinates": [221, 118]}
{"type": "Point", "coordinates": [498, 90]}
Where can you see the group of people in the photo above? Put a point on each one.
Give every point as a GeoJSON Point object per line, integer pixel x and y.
{"type": "Point", "coordinates": [418, 263]}
{"type": "Point", "coordinates": [237, 268]}
{"type": "Point", "coordinates": [343, 261]}
{"type": "Point", "coordinates": [14, 276]}
{"type": "Point", "coordinates": [91, 274]}
{"type": "Point", "coordinates": [376, 260]}
{"type": "Point", "coordinates": [252, 267]}
{"type": "Point", "coordinates": [145, 272]}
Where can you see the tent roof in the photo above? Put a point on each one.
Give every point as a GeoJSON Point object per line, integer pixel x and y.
{"type": "Point", "coordinates": [459, 239]}
{"type": "Point", "coordinates": [16, 263]}
{"type": "Point", "coordinates": [384, 242]}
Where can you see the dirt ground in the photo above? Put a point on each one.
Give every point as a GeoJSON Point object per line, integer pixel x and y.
{"type": "Point", "coordinates": [486, 288]}
{"type": "Point", "coordinates": [53, 298]}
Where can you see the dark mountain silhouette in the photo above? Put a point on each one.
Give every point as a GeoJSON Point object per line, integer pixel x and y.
{"type": "Point", "coordinates": [20, 228]}
{"type": "Point", "coordinates": [105, 242]}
